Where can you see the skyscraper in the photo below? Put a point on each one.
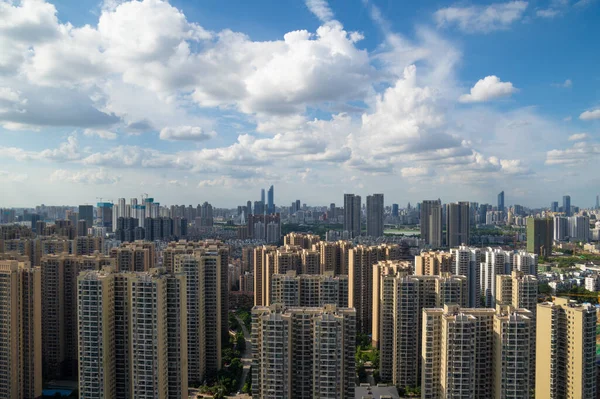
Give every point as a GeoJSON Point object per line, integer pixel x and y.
{"type": "Point", "coordinates": [20, 330]}
{"type": "Point", "coordinates": [501, 201]}
{"type": "Point", "coordinates": [271, 201]}
{"type": "Point", "coordinates": [458, 224]}
{"type": "Point", "coordinates": [352, 214]}
{"type": "Point", "coordinates": [565, 350]}
{"type": "Point", "coordinates": [262, 195]}
{"type": "Point", "coordinates": [597, 201]}
{"type": "Point", "coordinates": [539, 236]}
{"type": "Point", "coordinates": [431, 222]}
{"type": "Point", "coordinates": [395, 212]}
{"type": "Point", "coordinates": [375, 215]}
{"type": "Point", "coordinates": [86, 212]}
{"type": "Point", "coordinates": [303, 352]}
{"type": "Point", "coordinates": [554, 206]}
{"type": "Point", "coordinates": [566, 208]}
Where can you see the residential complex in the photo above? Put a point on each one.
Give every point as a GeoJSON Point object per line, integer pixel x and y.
{"type": "Point", "coordinates": [303, 352]}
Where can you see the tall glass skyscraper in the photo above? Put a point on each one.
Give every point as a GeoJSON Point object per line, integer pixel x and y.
{"type": "Point", "coordinates": [270, 203]}
{"type": "Point", "coordinates": [501, 201]}
{"type": "Point", "coordinates": [567, 205]}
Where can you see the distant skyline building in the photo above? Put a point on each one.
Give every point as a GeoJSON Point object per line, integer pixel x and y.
{"type": "Point", "coordinates": [458, 224]}
{"type": "Point", "coordinates": [271, 201]}
{"type": "Point", "coordinates": [375, 209]}
{"type": "Point", "coordinates": [86, 212]}
{"type": "Point", "coordinates": [554, 206]}
{"type": "Point", "coordinates": [352, 214]}
{"type": "Point", "coordinates": [501, 201]}
{"type": "Point", "coordinates": [567, 205]}
{"type": "Point", "coordinates": [262, 195]}
{"type": "Point", "coordinates": [539, 236]}
{"type": "Point", "coordinates": [395, 210]}
{"type": "Point", "coordinates": [431, 223]}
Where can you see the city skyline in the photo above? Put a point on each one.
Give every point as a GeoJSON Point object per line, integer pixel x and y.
{"type": "Point", "coordinates": [320, 98]}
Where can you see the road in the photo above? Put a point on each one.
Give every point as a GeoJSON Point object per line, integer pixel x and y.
{"type": "Point", "coordinates": [247, 355]}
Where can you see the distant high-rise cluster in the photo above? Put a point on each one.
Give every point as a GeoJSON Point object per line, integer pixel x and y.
{"type": "Point", "coordinates": [111, 297]}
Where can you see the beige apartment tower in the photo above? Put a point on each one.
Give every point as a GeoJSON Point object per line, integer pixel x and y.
{"type": "Point", "coordinates": [433, 263]}
{"type": "Point", "coordinates": [565, 350]}
{"type": "Point", "coordinates": [457, 347]}
{"type": "Point", "coordinates": [96, 320]}
{"type": "Point", "coordinates": [20, 330]}
{"type": "Point", "coordinates": [398, 300]}
{"type": "Point", "coordinates": [151, 333]}
{"type": "Point", "coordinates": [308, 290]}
{"type": "Point", "coordinates": [513, 377]}
{"type": "Point", "coordinates": [303, 352]}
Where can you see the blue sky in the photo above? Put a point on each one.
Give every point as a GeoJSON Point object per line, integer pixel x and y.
{"type": "Point", "coordinates": [212, 100]}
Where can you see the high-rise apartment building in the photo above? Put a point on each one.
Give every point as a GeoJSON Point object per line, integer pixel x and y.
{"type": "Point", "coordinates": [352, 214]}
{"type": "Point", "coordinates": [466, 262]}
{"type": "Point", "coordinates": [520, 291]}
{"type": "Point", "coordinates": [138, 256]}
{"type": "Point", "coordinates": [579, 228]}
{"type": "Point", "coordinates": [59, 315]}
{"type": "Point", "coordinates": [96, 323]}
{"type": "Point", "coordinates": [561, 228]}
{"type": "Point", "coordinates": [457, 351]}
{"type": "Point", "coordinates": [86, 212]}
{"type": "Point", "coordinates": [306, 290]}
{"type": "Point", "coordinates": [260, 274]}
{"type": "Point", "coordinates": [20, 330]}
{"type": "Point", "coordinates": [565, 350]}
{"type": "Point", "coordinates": [398, 300]}
{"type": "Point", "coordinates": [494, 262]}
{"type": "Point", "coordinates": [566, 208]}
{"type": "Point", "coordinates": [305, 241]}
{"type": "Point", "coordinates": [431, 223]}
{"type": "Point", "coordinates": [151, 334]}
{"type": "Point", "coordinates": [375, 209]}
{"type": "Point", "coordinates": [360, 281]}
{"type": "Point", "coordinates": [457, 224]}
{"type": "Point", "coordinates": [303, 352]}
{"type": "Point", "coordinates": [512, 358]}
{"type": "Point", "coordinates": [539, 236]}
{"type": "Point", "coordinates": [433, 263]}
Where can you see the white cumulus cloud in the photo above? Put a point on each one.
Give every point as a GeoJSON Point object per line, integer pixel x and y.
{"type": "Point", "coordinates": [320, 9]}
{"type": "Point", "coordinates": [579, 137]}
{"type": "Point", "coordinates": [590, 115]}
{"type": "Point", "coordinates": [85, 176]}
{"type": "Point", "coordinates": [103, 134]}
{"type": "Point", "coordinates": [482, 19]}
{"type": "Point", "coordinates": [191, 133]}
{"type": "Point", "coordinates": [488, 88]}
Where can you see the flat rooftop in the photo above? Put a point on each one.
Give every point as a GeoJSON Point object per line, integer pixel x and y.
{"type": "Point", "coordinates": [376, 392]}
